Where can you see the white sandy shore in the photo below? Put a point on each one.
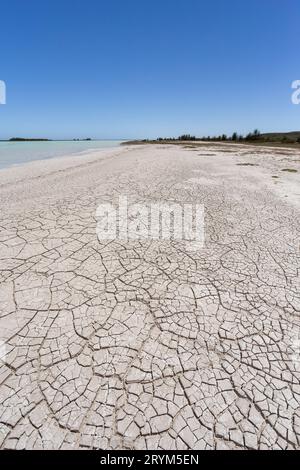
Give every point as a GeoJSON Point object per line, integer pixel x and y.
{"type": "Point", "coordinates": [20, 182]}
{"type": "Point", "coordinates": [140, 344]}
{"type": "Point", "coordinates": [56, 177]}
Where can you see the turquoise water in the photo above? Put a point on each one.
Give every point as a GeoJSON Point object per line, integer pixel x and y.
{"type": "Point", "coordinates": [18, 153]}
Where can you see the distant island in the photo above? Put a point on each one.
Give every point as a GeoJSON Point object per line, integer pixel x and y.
{"type": "Point", "coordinates": [22, 139]}
{"type": "Point", "coordinates": [27, 139]}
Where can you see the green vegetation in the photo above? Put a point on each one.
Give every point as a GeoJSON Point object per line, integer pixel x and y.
{"type": "Point", "coordinates": [255, 137]}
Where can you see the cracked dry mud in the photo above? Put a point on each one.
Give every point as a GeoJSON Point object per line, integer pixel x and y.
{"type": "Point", "coordinates": [144, 345]}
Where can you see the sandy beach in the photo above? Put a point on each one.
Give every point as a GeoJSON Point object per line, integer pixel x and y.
{"type": "Point", "coordinates": [142, 344]}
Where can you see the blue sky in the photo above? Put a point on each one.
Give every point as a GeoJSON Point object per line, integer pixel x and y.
{"type": "Point", "coordinates": [148, 68]}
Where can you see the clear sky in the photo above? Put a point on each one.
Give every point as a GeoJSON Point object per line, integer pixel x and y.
{"type": "Point", "coordinates": [148, 68]}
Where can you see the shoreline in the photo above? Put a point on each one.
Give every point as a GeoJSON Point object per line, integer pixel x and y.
{"type": "Point", "coordinates": [42, 167]}
{"type": "Point", "coordinates": [61, 160]}
{"type": "Point", "coordinates": [27, 152]}
{"type": "Point", "coordinates": [38, 180]}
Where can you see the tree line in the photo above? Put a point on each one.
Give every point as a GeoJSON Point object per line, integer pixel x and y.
{"type": "Point", "coordinates": [235, 137]}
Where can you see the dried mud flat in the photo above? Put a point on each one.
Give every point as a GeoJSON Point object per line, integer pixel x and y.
{"type": "Point", "coordinates": [143, 345]}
